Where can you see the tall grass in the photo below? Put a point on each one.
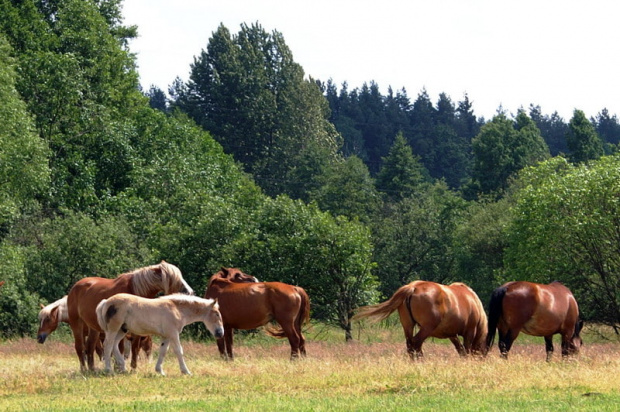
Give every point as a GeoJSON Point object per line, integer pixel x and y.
{"type": "Point", "coordinates": [368, 374]}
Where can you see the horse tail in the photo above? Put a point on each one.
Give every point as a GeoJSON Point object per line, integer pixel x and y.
{"type": "Point", "coordinates": [303, 316]}
{"type": "Point", "coordinates": [495, 312]}
{"type": "Point", "coordinates": [101, 318]}
{"type": "Point", "coordinates": [383, 310]}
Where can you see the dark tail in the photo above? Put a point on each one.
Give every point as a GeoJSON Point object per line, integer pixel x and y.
{"type": "Point", "coordinates": [495, 312]}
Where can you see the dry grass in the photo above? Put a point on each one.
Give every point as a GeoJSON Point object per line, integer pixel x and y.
{"type": "Point", "coordinates": [334, 376]}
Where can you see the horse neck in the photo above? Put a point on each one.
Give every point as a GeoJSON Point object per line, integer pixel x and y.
{"type": "Point", "coordinates": [191, 311]}
{"type": "Point", "coordinates": [140, 285]}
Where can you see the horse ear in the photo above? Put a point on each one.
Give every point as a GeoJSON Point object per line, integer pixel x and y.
{"type": "Point", "coordinates": [225, 271]}
{"type": "Point", "coordinates": [41, 305]}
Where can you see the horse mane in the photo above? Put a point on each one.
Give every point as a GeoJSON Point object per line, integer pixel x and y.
{"type": "Point", "coordinates": [61, 304]}
{"type": "Point", "coordinates": [181, 297]}
{"type": "Point", "coordinates": [155, 277]}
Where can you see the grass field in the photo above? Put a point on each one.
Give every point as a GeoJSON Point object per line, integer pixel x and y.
{"type": "Point", "coordinates": [372, 373]}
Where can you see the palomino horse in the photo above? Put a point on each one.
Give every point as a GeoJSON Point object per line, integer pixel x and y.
{"type": "Point", "coordinates": [88, 292]}
{"type": "Point", "coordinates": [51, 315]}
{"type": "Point", "coordinates": [164, 316]}
{"type": "Point", "coordinates": [441, 311]}
{"type": "Point", "coordinates": [537, 310]}
{"type": "Point", "coordinates": [248, 304]}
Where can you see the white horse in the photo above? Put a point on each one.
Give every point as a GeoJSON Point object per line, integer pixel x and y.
{"type": "Point", "coordinates": [164, 316]}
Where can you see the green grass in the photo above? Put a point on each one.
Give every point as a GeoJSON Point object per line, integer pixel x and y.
{"type": "Point", "coordinates": [370, 374]}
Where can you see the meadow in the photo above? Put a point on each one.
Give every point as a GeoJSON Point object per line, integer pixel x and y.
{"type": "Point", "coordinates": [369, 374]}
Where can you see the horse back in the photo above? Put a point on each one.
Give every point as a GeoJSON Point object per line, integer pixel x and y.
{"type": "Point", "coordinates": [86, 294]}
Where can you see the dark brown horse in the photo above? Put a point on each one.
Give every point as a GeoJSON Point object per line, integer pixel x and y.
{"type": "Point", "coordinates": [88, 292]}
{"type": "Point", "coordinates": [441, 311]}
{"type": "Point", "coordinates": [246, 303]}
{"type": "Point", "coordinates": [537, 310]}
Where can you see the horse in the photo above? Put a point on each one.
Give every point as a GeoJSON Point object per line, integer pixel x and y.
{"type": "Point", "coordinates": [246, 303]}
{"type": "Point", "coordinates": [51, 315]}
{"type": "Point", "coordinates": [164, 316]}
{"type": "Point", "coordinates": [441, 311]}
{"type": "Point", "coordinates": [537, 310]}
{"type": "Point", "coordinates": [88, 292]}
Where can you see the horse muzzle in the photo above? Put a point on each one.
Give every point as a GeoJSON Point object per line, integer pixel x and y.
{"type": "Point", "coordinates": [218, 333]}
{"type": "Point", "coordinates": [41, 338]}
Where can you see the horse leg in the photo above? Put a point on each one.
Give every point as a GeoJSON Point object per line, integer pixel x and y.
{"type": "Point", "coordinates": [162, 353]}
{"type": "Point", "coordinates": [91, 342]}
{"type": "Point", "coordinates": [549, 347]}
{"type": "Point", "coordinates": [146, 343]}
{"type": "Point", "coordinates": [293, 340]}
{"type": "Point", "coordinates": [417, 341]}
{"type": "Point", "coordinates": [119, 340]}
{"type": "Point", "coordinates": [228, 340]}
{"type": "Point", "coordinates": [135, 351]}
{"type": "Point", "coordinates": [78, 338]}
{"type": "Point", "coordinates": [408, 324]}
{"type": "Point", "coordinates": [506, 339]}
{"type": "Point", "coordinates": [221, 347]}
{"type": "Point", "coordinates": [175, 343]}
{"type": "Point", "coordinates": [108, 344]}
{"type": "Point", "coordinates": [458, 345]}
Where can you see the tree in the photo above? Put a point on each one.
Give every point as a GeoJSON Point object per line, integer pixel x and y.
{"type": "Point", "coordinates": [582, 141]}
{"type": "Point", "coordinates": [24, 171]}
{"type": "Point", "coordinates": [566, 227]}
{"type": "Point", "coordinates": [329, 257]}
{"type": "Point", "coordinates": [157, 98]}
{"type": "Point", "coordinates": [415, 239]}
{"type": "Point", "coordinates": [346, 189]}
{"type": "Point", "coordinates": [251, 95]}
{"type": "Point", "coordinates": [402, 172]}
{"type": "Point", "coordinates": [504, 147]}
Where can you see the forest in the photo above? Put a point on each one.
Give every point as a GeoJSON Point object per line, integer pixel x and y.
{"type": "Point", "coordinates": [252, 164]}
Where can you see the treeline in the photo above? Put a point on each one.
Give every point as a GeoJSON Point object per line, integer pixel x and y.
{"type": "Point", "coordinates": [349, 194]}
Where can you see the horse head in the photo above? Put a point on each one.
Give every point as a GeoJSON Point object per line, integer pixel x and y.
{"type": "Point", "coordinates": [213, 319]}
{"type": "Point", "coordinates": [48, 322]}
{"type": "Point", "coordinates": [235, 275]}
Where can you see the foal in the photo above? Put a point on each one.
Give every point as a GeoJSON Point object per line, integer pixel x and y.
{"type": "Point", "coordinates": [164, 316]}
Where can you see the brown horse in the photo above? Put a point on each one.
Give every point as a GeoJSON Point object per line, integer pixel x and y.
{"type": "Point", "coordinates": [537, 310]}
{"type": "Point", "coordinates": [246, 303]}
{"type": "Point", "coordinates": [441, 311]}
{"type": "Point", "coordinates": [88, 292]}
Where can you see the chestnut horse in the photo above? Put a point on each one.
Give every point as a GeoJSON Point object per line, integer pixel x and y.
{"type": "Point", "coordinates": [246, 303]}
{"type": "Point", "coordinates": [537, 310]}
{"type": "Point", "coordinates": [441, 311]}
{"type": "Point", "coordinates": [165, 316]}
{"type": "Point", "coordinates": [88, 292]}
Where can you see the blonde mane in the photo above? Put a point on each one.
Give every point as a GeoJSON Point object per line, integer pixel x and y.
{"type": "Point", "coordinates": [61, 304]}
{"type": "Point", "coordinates": [162, 277]}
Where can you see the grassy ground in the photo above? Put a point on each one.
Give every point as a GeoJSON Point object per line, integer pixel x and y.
{"type": "Point", "coordinates": [373, 373]}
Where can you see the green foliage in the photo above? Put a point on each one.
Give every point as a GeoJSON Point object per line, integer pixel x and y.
{"type": "Point", "coordinates": [414, 240]}
{"type": "Point", "coordinates": [250, 94]}
{"type": "Point", "coordinates": [401, 172]}
{"type": "Point", "coordinates": [504, 147]}
{"type": "Point", "coordinates": [566, 225]}
{"type": "Point", "coordinates": [582, 140]}
{"type": "Point", "coordinates": [24, 172]}
{"type": "Point", "coordinates": [298, 244]}
{"type": "Point", "coordinates": [346, 189]}
{"type": "Point", "coordinates": [18, 305]}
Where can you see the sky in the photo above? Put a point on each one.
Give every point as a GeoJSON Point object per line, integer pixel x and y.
{"type": "Point", "coordinates": [561, 55]}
